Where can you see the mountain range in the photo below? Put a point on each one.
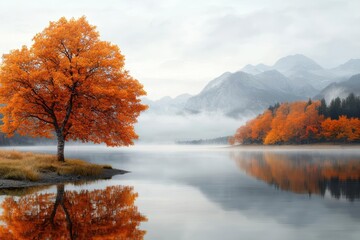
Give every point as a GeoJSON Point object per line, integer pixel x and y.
{"type": "Point", "coordinates": [255, 87]}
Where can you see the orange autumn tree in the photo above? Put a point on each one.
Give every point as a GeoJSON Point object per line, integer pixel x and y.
{"type": "Point", "coordinates": [255, 129]}
{"type": "Point", "coordinates": [297, 122]}
{"type": "Point", "coordinates": [276, 133]}
{"type": "Point", "coordinates": [70, 84]}
{"type": "Point", "coordinates": [108, 213]}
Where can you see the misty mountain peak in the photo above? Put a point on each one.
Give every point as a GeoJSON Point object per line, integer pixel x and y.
{"type": "Point", "coordinates": [184, 96]}
{"type": "Point", "coordinates": [355, 79]}
{"type": "Point", "coordinates": [341, 89]}
{"type": "Point", "coordinates": [255, 69]}
{"type": "Point", "coordinates": [217, 81]}
{"type": "Point", "coordinates": [352, 64]}
{"type": "Point", "coordinates": [272, 73]}
{"type": "Point", "coordinates": [295, 63]}
{"type": "Point", "coordinates": [241, 74]}
{"type": "Point", "coordinates": [165, 99]}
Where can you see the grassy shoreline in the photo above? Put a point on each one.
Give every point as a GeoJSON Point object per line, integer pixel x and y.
{"type": "Point", "coordinates": [35, 167]}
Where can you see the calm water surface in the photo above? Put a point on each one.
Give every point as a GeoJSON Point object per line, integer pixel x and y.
{"type": "Point", "coordinates": [198, 192]}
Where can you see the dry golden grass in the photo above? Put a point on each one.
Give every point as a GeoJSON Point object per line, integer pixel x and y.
{"type": "Point", "coordinates": [29, 166]}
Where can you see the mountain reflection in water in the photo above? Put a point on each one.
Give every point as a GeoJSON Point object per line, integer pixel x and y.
{"type": "Point", "coordinates": [108, 213]}
{"type": "Point", "coordinates": [305, 172]}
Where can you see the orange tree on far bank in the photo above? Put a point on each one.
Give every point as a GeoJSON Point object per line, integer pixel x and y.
{"type": "Point", "coordinates": [300, 123]}
{"type": "Point", "coordinates": [71, 84]}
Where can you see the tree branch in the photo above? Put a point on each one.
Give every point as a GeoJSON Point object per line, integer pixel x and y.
{"type": "Point", "coordinates": [41, 119]}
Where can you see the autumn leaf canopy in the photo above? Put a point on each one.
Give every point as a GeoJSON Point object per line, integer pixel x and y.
{"type": "Point", "coordinates": [70, 82]}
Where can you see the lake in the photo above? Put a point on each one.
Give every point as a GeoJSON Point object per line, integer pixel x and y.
{"type": "Point", "coordinates": [199, 192]}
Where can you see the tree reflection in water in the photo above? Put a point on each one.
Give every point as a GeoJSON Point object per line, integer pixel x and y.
{"type": "Point", "coordinates": [109, 213]}
{"type": "Point", "coordinates": [304, 173]}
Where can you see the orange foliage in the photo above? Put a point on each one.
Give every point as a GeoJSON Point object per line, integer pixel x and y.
{"type": "Point", "coordinates": [255, 129]}
{"type": "Point", "coordinates": [297, 122]}
{"type": "Point", "coordinates": [355, 129]}
{"type": "Point", "coordinates": [276, 134]}
{"type": "Point", "coordinates": [71, 83]}
{"type": "Point", "coordinates": [97, 214]}
{"type": "Point", "coordinates": [342, 129]}
{"type": "Point", "coordinates": [261, 126]}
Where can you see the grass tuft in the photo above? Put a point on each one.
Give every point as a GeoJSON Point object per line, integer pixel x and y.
{"type": "Point", "coordinates": [30, 166]}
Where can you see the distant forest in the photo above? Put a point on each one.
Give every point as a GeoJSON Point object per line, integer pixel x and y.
{"type": "Point", "coordinates": [304, 122]}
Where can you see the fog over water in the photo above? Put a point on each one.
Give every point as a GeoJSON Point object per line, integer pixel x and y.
{"type": "Point", "coordinates": [159, 128]}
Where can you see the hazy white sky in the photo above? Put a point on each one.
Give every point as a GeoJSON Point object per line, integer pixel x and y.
{"type": "Point", "coordinates": [177, 46]}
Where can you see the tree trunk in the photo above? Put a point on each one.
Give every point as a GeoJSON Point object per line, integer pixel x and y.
{"type": "Point", "coordinates": [60, 194]}
{"type": "Point", "coordinates": [59, 199]}
{"type": "Point", "coordinates": [60, 148]}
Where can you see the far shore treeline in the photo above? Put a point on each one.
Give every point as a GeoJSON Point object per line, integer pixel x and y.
{"type": "Point", "coordinates": [304, 122]}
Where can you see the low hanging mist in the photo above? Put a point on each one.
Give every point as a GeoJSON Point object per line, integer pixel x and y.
{"type": "Point", "coordinates": [164, 128]}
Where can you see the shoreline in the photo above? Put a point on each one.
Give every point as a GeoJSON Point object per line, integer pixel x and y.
{"type": "Point", "coordinates": [52, 178]}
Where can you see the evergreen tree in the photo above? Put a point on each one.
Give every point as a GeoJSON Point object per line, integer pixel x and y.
{"type": "Point", "coordinates": [274, 107]}
{"type": "Point", "coordinates": [322, 109]}
{"type": "Point", "coordinates": [349, 107]}
{"type": "Point", "coordinates": [309, 102]}
{"type": "Point", "coordinates": [335, 108]}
